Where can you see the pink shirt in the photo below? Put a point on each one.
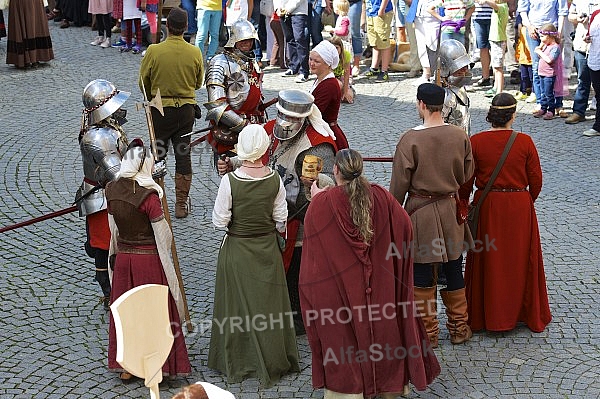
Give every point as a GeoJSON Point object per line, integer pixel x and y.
{"type": "Point", "coordinates": [549, 69]}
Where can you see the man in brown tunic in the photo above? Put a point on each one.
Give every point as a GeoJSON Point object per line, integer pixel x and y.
{"type": "Point", "coordinates": [431, 162]}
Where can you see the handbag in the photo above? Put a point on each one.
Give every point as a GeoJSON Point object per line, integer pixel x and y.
{"type": "Point", "coordinates": [473, 216]}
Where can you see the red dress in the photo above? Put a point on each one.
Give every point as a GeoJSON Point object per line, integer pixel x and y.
{"type": "Point", "coordinates": [504, 277]}
{"type": "Point", "coordinates": [357, 300]}
{"type": "Point", "coordinates": [132, 270]}
{"type": "Point", "coordinates": [328, 97]}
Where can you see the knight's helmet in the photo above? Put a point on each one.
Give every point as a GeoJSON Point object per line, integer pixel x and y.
{"type": "Point", "coordinates": [293, 106]}
{"type": "Point", "coordinates": [454, 57]}
{"type": "Point", "coordinates": [242, 29]}
{"type": "Point", "coordinates": [101, 99]}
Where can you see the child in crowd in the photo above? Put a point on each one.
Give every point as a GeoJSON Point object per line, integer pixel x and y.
{"type": "Point", "coordinates": [497, 38]}
{"type": "Point", "coordinates": [343, 71]}
{"type": "Point", "coordinates": [549, 70]}
{"type": "Point", "coordinates": [132, 16]}
{"type": "Point", "coordinates": [523, 57]}
{"type": "Point", "coordinates": [102, 10]}
{"type": "Point", "coordinates": [342, 24]}
{"type": "Point", "coordinates": [150, 7]}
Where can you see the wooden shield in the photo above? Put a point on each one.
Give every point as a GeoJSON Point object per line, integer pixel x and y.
{"type": "Point", "coordinates": [144, 337]}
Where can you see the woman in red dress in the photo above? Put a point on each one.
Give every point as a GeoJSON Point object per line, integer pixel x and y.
{"type": "Point", "coordinates": [323, 59]}
{"type": "Point", "coordinates": [141, 239]}
{"type": "Point", "coordinates": [504, 275]}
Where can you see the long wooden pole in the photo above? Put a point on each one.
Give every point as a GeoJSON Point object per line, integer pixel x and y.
{"type": "Point", "coordinates": [161, 183]}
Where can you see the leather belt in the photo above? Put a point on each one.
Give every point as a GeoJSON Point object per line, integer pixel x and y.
{"type": "Point", "coordinates": [432, 196]}
{"type": "Point", "coordinates": [508, 190]}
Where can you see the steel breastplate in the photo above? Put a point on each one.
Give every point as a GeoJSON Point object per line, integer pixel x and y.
{"type": "Point", "coordinates": [456, 108]}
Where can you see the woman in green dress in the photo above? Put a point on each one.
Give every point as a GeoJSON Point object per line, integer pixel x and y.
{"type": "Point", "coordinates": [252, 332]}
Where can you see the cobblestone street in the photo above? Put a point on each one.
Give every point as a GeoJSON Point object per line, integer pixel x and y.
{"type": "Point", "coordinates": [54, 331]}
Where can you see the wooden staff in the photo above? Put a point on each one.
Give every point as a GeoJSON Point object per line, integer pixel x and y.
{"type": "Point", "coordinates": [157, 103]}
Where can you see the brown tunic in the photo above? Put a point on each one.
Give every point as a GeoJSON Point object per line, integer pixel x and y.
{"type": "Point", "coordinates": [124, 199]}
{"type": "Point", "coordinates": [434, 161]}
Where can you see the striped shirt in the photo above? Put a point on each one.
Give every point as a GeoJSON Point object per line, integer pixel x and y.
{"type": "Point", "coordinates": [482, 12]}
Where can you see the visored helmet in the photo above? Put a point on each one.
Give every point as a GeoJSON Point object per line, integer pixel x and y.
{"type": "Point", "coordinates": [293, 107]}
{"type": "Point", "coordinates": [453, 56]}
{"type": "Point", "coordinates": [101, 99]}
{"type": "Point", "coordinates": [242, 29]}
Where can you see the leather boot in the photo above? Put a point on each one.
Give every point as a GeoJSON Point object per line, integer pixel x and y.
{"type": "Point", "coordinates": [182, 189]}
{"type": "Point", "coordinates": [456, 310]}
{"type": "Point", "coordinates": [426, 305]}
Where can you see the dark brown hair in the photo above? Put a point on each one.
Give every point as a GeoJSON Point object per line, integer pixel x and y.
{"type": "Point", "coordinates": [502, 109]}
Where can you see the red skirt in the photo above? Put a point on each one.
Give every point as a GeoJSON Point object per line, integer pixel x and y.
{"type": "Point", "coordinates": [133, 270]}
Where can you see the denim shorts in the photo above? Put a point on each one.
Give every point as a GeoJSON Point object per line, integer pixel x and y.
{"type": "Point", "coordinates": [482, 32]}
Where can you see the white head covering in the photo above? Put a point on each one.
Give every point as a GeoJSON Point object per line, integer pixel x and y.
{"type": "Point", "coordinates": [328, 52]}
{"type": "Point", "coordinates": [215, 392]}
{"type": "Point", "coordinates": [253, 142]}
{"type": "Point", "coordinates": [130, 168]}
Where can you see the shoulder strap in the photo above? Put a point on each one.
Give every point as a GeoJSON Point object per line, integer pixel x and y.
{"type": "Point", "coordinates": [490, 182]}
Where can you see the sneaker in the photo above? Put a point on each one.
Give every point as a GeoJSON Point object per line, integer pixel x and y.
{"type": "Point", "coordinates": [490, 93]}
{"type": "Point", "coordinates": [116, 29]}
{"type": "Point", "coordinates": [574, 118]}
{"type": "Point", "coordinates": [125, 48]}
{"type": "Point", "coordinates": [548, 116]}
{"type": "Point", "coordinates": [591, 133]}
{"type": "Point", "coordinates": [520, 96]}
{"type": "Point", "coordinates": [301, 79]}
{"type": "Point", "coordinates": [143, 53]}
{"type": "Point", "coordinates": [97, 41]}
{"type": "Point", "coordinates": [539, 113]}
{"type": "Point", "coordinates": [593, 104]}
{"type": "Point", "coordinates": [288, 73]}
{"type": "Point", "coordinates": [531, 99]}
{"type": "Point", "coordinates": [355, 71]}
{"type": "Point", "coordinates": [483, 82]}
{"type": "Point", "coordinates": [105, 43]}
{"type": "Point", "coordinates": [382, 77]}
{"type": "Point", "coordinates": [136, 49]}
{"type": "Point", "coordinates": [561, 112]}
{"type": "Point", "coordinates": [119, 43]}
{"type": "Point", "coordinates": [372, 73]}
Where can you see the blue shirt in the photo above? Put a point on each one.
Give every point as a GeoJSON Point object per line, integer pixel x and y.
{"type": "Point", "coordinates": [374, 5]}
{"type": "Point", "coordinates": [541, 12]}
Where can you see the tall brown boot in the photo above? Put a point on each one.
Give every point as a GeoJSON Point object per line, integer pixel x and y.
{"type": "Point", "coordinates": [456, 310]}
{"type": "Point", "coordinates": [426, 304]}
{"type": "Point", "coordinates": [182, 189]}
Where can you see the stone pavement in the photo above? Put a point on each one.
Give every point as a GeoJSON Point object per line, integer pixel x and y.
{"type": "Point", "coordinates": [54, 331]}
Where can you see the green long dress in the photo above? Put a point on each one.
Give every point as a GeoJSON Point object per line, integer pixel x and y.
{"type": "Point", "coordinates": [252, 332]}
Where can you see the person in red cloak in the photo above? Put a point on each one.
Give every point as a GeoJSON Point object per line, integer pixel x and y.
{"type": "Point", "coordinates": [358, 301]}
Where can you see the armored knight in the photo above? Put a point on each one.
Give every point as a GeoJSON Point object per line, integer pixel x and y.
{"type": "Point", "coordinates": [454, 75]}
{"type": "Point", "coordinates": [233, 82]}
{"type": "Point", "coordinates": [297, 131]}
{"type": "Point", "coordinates": [102, 142]}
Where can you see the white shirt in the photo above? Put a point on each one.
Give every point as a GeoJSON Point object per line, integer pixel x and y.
{"type": "Point", "coordinates": [594, 52]}
{"type": "Point", "coordinates": [222, 211]}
